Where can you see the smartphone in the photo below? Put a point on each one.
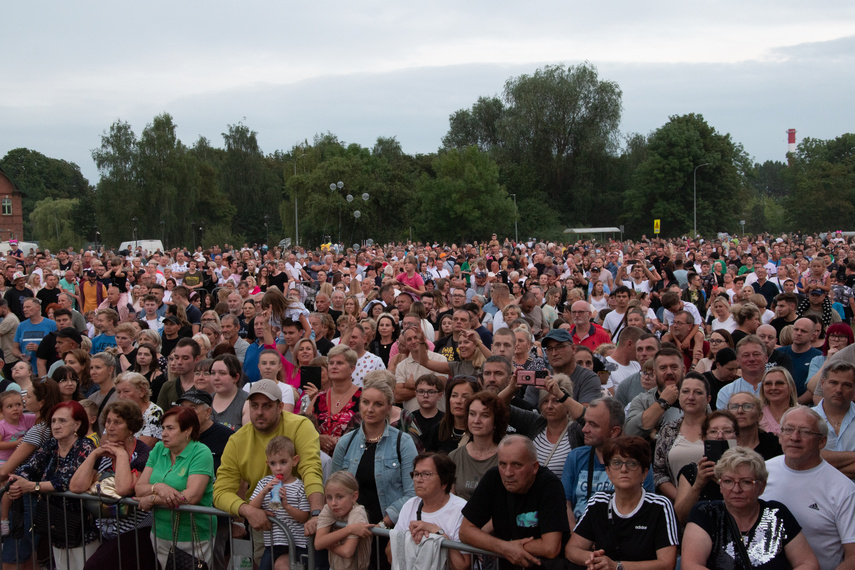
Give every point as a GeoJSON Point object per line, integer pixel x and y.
{"type": "Point", "coordinates": [526, 378]}
{"type": "Point", "coordinates": [714, 449]}
{"type": "Point", "coordinates": [311, 375]}
{"type": "Point", "coordinates": [540, 378]}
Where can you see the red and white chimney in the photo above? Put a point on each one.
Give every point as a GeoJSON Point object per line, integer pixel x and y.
{"type": "Point", "coordinates": [791, 141]}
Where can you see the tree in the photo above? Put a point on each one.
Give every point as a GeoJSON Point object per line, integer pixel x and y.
{"type": "Point", "coordinates": [822, 174]}
{"type": "Point", "coordinates": [554, 135]}
{"type": "Point", "coordinates": [465, 200]}
{"type": "Point", "coordinates": [116, 191]}
{"type": "Point", "coordinates": [51, 220]}
{"type": "Point", "coordinates": [662, 186]}
{"type": "Point", "coordinates": [41, 177]}
{"type": "Point", "coordinates": [252, 183]}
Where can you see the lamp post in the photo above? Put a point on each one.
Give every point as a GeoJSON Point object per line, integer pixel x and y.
{"type": "Point", "coordinates": [267, 229]}
{"type": "Point", "coordinates": [296, 217]}
{"type": "Point", "coordinates": [135, 231]}
{"type": "Point", "coordinates": [516, 219]}
{"type": "Point", "coordinates": [695, 199]}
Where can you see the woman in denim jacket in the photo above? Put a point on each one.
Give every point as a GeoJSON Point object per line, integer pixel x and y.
{"type": "Point", "coordinates": [378, 455]}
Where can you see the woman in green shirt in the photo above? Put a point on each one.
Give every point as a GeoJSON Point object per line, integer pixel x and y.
{"type": "Point", "coordinates": [179, 471]}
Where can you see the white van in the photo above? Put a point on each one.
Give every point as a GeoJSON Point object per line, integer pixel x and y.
{"type": "Point", "coordinates": [149, 246]}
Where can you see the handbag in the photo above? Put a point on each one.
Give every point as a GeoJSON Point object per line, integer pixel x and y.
{"type": "Point", "coordinates": [108, 507]}
{"type": "Point", "coordinates": [179, 559]}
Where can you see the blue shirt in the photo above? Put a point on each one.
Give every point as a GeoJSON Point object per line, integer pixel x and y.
{"type": "Point", "coordinates": [575, 479]}
{"type": "Point", "coordinates": [738, 385]}
{"type": "Point", "coordinates": [250, 361]}
{"type": "Point", "coordinates": [101, 342]}
{"type": "Point", "coordinates": [801, 364]}
{"type": "Point", "coordinates": [28, 332]}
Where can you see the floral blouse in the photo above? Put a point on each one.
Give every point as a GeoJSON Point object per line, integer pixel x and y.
{"type": "Point", "coordinates": [46, 465]}
{"type": "Point", "coordinates": [335, 424]}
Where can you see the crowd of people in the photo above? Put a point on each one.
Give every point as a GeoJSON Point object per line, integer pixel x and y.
{"type": "Point", "coordinates": [542, 401]}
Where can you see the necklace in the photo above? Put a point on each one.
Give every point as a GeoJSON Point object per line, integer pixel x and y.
{"type": "Point", "coordinates": [373, 439]}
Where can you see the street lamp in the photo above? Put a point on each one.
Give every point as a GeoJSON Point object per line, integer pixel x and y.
{"type": "Point", "coordinates": [135, 231]}
{"type": "Point", "coordinates": [296, 217]}
{"type": "Point", "coordinates": [695, 199]}
{"type": "Point", "coordinates": [516, 218]}
{"type": "Point", "coordinates": [267, 229]}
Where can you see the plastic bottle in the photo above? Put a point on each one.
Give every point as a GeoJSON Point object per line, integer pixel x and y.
{"type": "Point", "coordinates": [275, 500]}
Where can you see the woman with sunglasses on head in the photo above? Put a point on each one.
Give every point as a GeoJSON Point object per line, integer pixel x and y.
{"type": "Point", "coordinates": [607, 534]}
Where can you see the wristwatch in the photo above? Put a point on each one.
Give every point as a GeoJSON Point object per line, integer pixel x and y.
{"type": "Point", "coordinates": [440, 532]}
{"type": "Point", "coordinates": [315, 512]}
{"type": "Point", "coordinates": [563, 398]}
{"type": "Point", "coordinates": [664, 403]}
{"type": "Point", "coordinates": [38, 488]}
{"type": "Point", "coordinates": [619, 566]}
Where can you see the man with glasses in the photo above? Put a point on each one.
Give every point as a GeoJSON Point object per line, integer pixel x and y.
{"type": "Point", "coordinates": [561, 352]}
{"type": "Point", "coordinates": [584, 332]}
{"type": "Point", "coordinates": [820, 497]}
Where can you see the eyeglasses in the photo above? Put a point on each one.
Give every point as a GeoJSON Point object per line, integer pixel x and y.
{"type": "Point", "coordinates": [427, 392]}
{"type": "Point", "coordinates": [68, 380]}
{"type": "Point", "coordinates": [719, 432]}
{"type": "Point", "coordinates": [744, 484]}
{"type": "Point", "coordinates": [716, 341]}
{"type": "Point", "coordinates": [631, 464]}
{"type": "Point", "coordinates": [803, 432]}
{"type": "Point", "coordinates": [838, 337]}
{"type": "Point", "coordinates": [556, 347]}
{"type": "Point", "coordinates": [421, 474]}
{"type": "Point", "coordinates": [737, 407]}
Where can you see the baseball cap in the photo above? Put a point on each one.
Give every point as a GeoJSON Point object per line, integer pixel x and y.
{"type": "Point", "coordinates": [558, 335]}
{"type": "Point", "coordinates": [480, 274]}
{"type": "Point", "coordinates": [18, 275]}
{"type": "Point", "coordinates": [817, 292]}
{"type": "Point", "coordinates": [268, 388]}
{"type": "Point", "coordinates": [196, 396]}
{"type": "Point", "coordinates": [70, 332]}
{"type": "Point", "coordinates": [172, 319]}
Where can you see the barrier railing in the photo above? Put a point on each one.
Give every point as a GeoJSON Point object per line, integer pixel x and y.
{"type": "Point", "coordinates": [17, 551]}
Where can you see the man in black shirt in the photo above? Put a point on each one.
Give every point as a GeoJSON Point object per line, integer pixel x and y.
{"type": "Point", "coordinates": [529, 524]}
{"type": "Point", "coordinates": [15, 295]}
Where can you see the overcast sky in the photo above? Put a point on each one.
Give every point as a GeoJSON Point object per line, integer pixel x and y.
{"type": "Point", "coordinates": [380, 68]}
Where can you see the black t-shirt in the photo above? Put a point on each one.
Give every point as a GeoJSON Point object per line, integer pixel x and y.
{"type": "Point", "coordinates": [769, 445]}
{"type": "Point", "coordinates": [368, 497]}
{"type": "Point", "coordinates": [15, 299]}
{"type": "Point", "coordinates": [194, 315]}
{"type": "Point", "coordinates": [168, 345]}
{"type": "Point", "coordinates": [215, 438]}
{"type": "Point", "coordinates": [432, 442]}
{"type": "Point", "coordinates": [636, 537]}
{"type": "Point", "coordinates": [47, 350]}
{"type": "Point", "coordinates": [48, 296]}
{"type": "Point", "coordinates": [772, 532]}
{"type": "Point", "coordinates": [447, 347]}
{"type": "Point", "coordinates": [715, 387]}
{"type": "Point", "coordinates": [280, 281]}
{"type": "Point", "coordinates": [324, 345]}
{"type": "Point", "coordinates": [779, 323]}
{"type": "Point", "coordinates": [515, 516]}
{"type": "Point", "coordinates": [427, 424]}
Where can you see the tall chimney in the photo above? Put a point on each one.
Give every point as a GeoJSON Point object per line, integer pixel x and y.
{"type": "Point", "coordinates": [791, 141]}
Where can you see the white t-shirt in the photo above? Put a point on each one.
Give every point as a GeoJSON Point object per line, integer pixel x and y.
{"type": "Point", "coordinates": [622, 372]}
{"type": "Point", "coordinates": [729, 325]}
{"type": "Point", "coordinates": [448, 518]}
{"type": "Point", "coordinates": [643, 287]}
{"type": "Point", "coordinates": [612, 321]}
{"type": "Point", "coordinates": [668, 316]}
{"type": "Point", "coordinates": [823, 501]}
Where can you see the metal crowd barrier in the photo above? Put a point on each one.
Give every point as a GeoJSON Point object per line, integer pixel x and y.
{"type": "Point", "coordinates": [234, 563]}
{"type": "Point", "coordinates": [445, 543]}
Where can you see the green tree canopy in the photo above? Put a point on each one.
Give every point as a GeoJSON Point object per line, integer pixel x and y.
{"type": "Point", "coordinates": [662, 186]}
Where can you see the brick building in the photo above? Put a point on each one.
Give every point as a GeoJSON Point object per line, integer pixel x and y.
{"type": "Point", "coordinates": [11, 212]}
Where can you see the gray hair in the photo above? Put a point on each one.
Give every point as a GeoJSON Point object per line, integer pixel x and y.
{"type": "Point", "coordinates": [526, 442]}
{"type": "Point", "coordinates": [838, 366]}
{"type": "Point", "coordinates": [735, 457]}
{"type": "Point", "coordinates": [820, 422]}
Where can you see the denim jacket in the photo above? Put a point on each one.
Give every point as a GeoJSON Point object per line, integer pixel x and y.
{"type": "Point", "coordinates": [394, 484]}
